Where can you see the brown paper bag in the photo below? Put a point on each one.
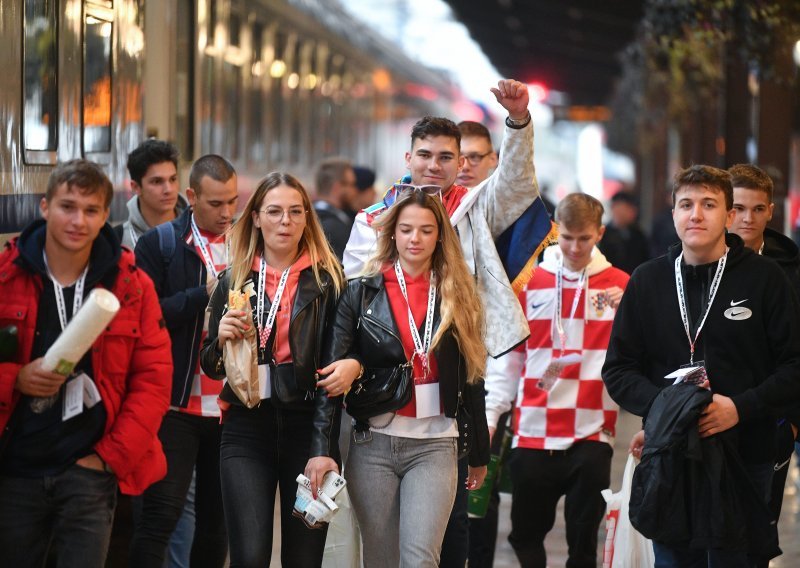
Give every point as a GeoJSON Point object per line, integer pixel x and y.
{"type": "Point", "coordinates": [241, 355]}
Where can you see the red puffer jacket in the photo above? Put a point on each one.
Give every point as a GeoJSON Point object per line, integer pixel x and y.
{"type": "Point", "coordinates": [131, 362]}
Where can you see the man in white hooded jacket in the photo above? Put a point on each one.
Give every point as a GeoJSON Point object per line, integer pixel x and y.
{"type": "Point", "coordinates": [564, 420]}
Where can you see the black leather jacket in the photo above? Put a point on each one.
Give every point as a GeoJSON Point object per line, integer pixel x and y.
{"type": "Point", "coordinates": [312, 309]}
{"type": "Point", "coordinates": [364, 329]}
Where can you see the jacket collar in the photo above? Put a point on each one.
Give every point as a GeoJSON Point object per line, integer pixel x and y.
{"type": "Point", "coordinates": [380, 302]}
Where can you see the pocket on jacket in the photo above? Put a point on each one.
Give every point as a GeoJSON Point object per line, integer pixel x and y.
{"type": "Point", "coordinates": [13, 314]}
{"type": "Point", "coordinates": [119, 341]}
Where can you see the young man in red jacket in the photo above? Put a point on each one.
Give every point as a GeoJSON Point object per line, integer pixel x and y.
{"type": "Point", "coordinates": [59, 472]}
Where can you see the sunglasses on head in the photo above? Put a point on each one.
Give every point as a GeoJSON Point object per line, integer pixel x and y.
{"type": "Point", "coordinates": [431, 190]}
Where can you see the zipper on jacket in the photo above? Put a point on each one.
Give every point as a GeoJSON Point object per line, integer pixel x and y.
{"type": "Point", "coordinates": [190, 371]}
{"type": "Point", "coordinates": [384, 327]}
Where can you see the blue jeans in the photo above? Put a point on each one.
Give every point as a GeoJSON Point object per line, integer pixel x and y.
{"type": "Point", "coordinates": [672, 557]}
{"type": "Point", "coordinates": [262, 449]}
{"type": "Point", "coordinates": [72, 511]}
{"type": "Point", "coordinates": [402, 490]}
{"type": "Point", "coordinates": [191, 444]}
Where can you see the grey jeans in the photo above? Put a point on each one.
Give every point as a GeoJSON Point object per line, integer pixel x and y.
{"type": "Point", "coordinates": [402, 490]}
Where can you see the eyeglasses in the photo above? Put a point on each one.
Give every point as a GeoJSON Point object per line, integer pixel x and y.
{"type": "Point", "coordinates": [474, 158]}
{"type": "Point", "coordinates": [275, 214]}
{"type": "Point", "coordinates": [432, 190]}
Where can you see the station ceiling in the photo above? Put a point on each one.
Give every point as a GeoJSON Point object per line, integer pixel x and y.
{"type": "Point", "coordinates": [567, 45]}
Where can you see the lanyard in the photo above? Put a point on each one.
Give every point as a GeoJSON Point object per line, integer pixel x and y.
{"type": "Point", "coordinates": [712, 292]}
{"type": "Point", "coordinates": [58, 289]}
{"type": "Point", "coordinates": [421, 345]}
{"type": "Point", "coordinates": [562, 335]}
{"type": "Point", "coordinates": [204, 250]}
{"type": "Point", "coordinates": [266, 326]}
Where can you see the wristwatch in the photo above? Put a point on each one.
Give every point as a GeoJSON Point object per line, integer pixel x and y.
{"type": "Point", "coordinates": [518, 123]}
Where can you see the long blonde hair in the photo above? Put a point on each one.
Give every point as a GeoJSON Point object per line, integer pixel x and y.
{"type": "Point", "coordinates": [246, 240]}
{"type": "Point", "coordinates": [460, 308]}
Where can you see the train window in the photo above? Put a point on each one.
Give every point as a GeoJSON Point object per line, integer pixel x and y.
{"type": "Point", "coordinates": [277, 71]}
{"type": "Point", "coordinates": [234, 29]}
{"type": "Point", "coordinates": [97, 85]}
{"type": "Point", "coordinates": [40, 81]}
{"type": "Point", "coordinates": [185, 77]}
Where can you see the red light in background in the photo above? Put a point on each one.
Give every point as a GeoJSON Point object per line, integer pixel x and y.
{"type": "Point", "coordinates": [538, 92]}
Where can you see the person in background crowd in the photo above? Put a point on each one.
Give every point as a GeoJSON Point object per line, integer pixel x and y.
{"type": "Point", "coordinates": [366, 195]}
{"type": "Point", "coordinates": [718, 306]}
{"type": "Point", "coordinates": [336, 193]}
{"type": "Point", "coordinates": [59, 474]}
{"type": "Point", "coordinates": [663, 234]}
{"type": "Point", "coordinates": [184, 278]}
{"type": "Point", "coordinates": [402, 465]}
{"type": "Point", "coordinates": [277, 250]}
{"type": "Point", "coordinates": [153, 167]}
{"type": "Point", "coordinates": [752, 210]}
{"type": "Point", "coordinates": [480, 159]}
{"type": "Point", "coordinates": [565, 421]}
{"type": "Point", "coordinates": [624, 244]}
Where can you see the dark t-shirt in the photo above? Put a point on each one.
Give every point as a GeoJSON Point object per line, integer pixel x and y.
{"type": "Point", "coordinates": [43, 444]}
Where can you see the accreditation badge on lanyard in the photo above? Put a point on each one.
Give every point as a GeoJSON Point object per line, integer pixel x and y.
{"type": "Point", "coordinates": [694, 372]}
{"type": "Point", "coordinates": [556, 366]}
{"type": "Point", "coordinates": [426, 393]}
{"type": "Point", "coordinates": [79, 391]}
{"type": "Point", "coordinates": [266, 324]}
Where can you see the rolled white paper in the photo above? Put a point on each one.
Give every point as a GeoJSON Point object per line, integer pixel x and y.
{"type": "Point", "coordinates": [98, 309]}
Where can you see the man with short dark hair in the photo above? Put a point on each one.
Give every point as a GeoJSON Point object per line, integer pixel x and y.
{"type": "Point", "coordinates": [713, 308]}
{"type": "Point", "coordinates": [479, 155]}
{"type": "Point", "coordinates": [480, 217]}
{"type": "Point", "coordinates": [336, 192]}
{"type": "Point", "coordinates": [59, 471]}
{"type": "Point", "coordinates": [153, 167]}
{"type": "Point", "coordinates": [184, 258]}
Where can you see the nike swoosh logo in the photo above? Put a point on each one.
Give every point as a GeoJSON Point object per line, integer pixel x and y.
{"type": "Point", "coordinates": [739, 302]}
{"type": "Point", "coordinates": [534, 306]}
{"type": "Point", "coordinates": [735, 313]}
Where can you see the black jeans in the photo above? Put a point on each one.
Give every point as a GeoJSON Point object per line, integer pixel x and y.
{"type": "Point", "coordinates": [540, 478]}
{"type": "Point", "coordinates": [191, 443]}
{"type": "Point", "coordinates": [455, 545]}
{"type": "Point", "coordinates": [262, 449]}
{"type": "Point", "coordinates": [71, 511]}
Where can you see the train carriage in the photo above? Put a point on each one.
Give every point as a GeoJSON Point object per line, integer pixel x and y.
{"type": "Point", "coordinates": [269, 84]}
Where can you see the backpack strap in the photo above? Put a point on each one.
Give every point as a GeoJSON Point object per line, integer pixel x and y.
{"type": "Point", "coordinates": [166, 241]}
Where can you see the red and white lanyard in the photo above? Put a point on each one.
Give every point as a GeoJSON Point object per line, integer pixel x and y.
{"type": "Point", "coordinates": [58, 289]}
{"type": "Point", "coordinates": [562, 335]}
{"type": "Point", "coordinates": [712, 292]}
{"type": "Point", "coordinates": [202, 244]}
{"type": "Point", "coordinates": [421, 345]}
{"type": "Point", "coordinates": [266, 326]}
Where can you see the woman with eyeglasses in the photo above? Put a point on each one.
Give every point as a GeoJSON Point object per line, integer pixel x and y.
{"type": "Point", "coordinates": [417, 304]}
{"type": "Point", "coordinates": [279, 256]}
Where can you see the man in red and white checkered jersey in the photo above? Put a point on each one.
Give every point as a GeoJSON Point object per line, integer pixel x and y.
{"type": "Point", "coordinates": [185, 264]}
{"type": "Point", "coordinates": [563, 420]}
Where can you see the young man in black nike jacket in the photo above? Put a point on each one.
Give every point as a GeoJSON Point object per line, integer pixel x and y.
{"type": "Point", "coordinates": [713, 302]}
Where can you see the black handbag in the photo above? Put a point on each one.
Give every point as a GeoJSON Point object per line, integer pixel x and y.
{"type": "Point", "coordinates": [379, 391]}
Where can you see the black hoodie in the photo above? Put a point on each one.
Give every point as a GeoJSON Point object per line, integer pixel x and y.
{"type": "Point", "coordinates": [754, 360]}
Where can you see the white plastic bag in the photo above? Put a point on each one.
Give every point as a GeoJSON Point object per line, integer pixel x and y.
{"type": "Point", "coordinates": [343, 544]}
{"type": "Point", "coordinates": [625, 547]}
